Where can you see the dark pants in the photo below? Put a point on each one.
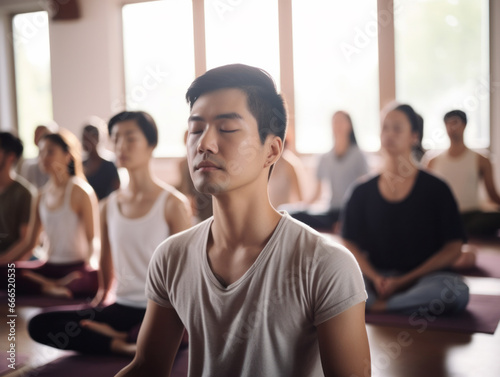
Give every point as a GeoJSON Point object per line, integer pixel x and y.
{"type": "Point", "coordinates": [86, 286]}
{"type": "Point", "coordinates": [61, 329]}
{"type": "Point", "coordinates": [478, 223]}
{"type": "Point", "coordinates": [320, 220]}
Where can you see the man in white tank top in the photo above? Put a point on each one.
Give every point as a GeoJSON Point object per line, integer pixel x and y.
{"type": "Point", "coordinates": [259, 293]}
{"type": "Point", "coordinates": [463, 169]}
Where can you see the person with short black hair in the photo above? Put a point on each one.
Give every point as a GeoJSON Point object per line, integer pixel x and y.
{"type": "Point", "coordinates": [463, 169]}
{"type": "Point", "coordinates": [404, 228]}
{"type": "Point", "coordinates": [16, 199]}
{"type": "Point", "coordinates": [258, 292]}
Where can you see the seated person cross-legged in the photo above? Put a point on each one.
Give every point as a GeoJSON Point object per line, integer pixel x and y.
{"type": "Point", "coordinates": [463, 169]}
{"type": "Point", "coordinates": [339, 168]}
{"type": "Point", "coordinates": [404, 229]}
{"type": "Point", "coordinates": [134, 220]}
{"type": "Point", "coordinates": [65, 210]}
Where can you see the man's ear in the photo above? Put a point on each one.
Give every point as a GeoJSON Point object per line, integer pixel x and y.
{"type": "Point", "coordinates": [274, 148]}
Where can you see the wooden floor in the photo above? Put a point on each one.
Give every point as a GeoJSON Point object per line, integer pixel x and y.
{"type": "Point", "coordinates": [396, 352]}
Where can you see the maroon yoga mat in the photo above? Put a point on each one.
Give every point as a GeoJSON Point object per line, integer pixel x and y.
{"type": "Point", "coordinates": [482, 315]}
{"type": "Point", "coordinates": [487, 265]}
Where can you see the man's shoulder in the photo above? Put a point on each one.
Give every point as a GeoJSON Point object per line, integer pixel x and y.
{"type": "Point", "coordinates": [311, 243]}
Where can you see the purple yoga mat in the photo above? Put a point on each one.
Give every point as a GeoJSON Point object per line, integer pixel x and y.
{"type": "Point", "coordinates": [482, 315]}
{"type": "Point", "coordinates": [76, 365]}
{"type": "Point", "coordinates": [487, 265]}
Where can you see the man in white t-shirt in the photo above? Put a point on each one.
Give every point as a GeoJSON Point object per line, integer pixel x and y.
{"type": "Point", "coordinates": [259, 293]}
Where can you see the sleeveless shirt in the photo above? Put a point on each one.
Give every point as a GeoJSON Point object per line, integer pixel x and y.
{"type": "Point", "coordinates": [64, 229]}
{"type": "Point", "coordinates": [462, 174]}
{"type": "Point", "coordinates": [132, 243]}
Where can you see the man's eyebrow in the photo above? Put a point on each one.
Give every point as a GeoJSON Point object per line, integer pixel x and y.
{"type": "Point", "coordinates": [197, 118]}
{"type": "Point", "coordinates": [229, 116]}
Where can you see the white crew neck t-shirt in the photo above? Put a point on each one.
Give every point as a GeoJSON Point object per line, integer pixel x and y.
{"type": "Point", "coordinates": [264, 324]}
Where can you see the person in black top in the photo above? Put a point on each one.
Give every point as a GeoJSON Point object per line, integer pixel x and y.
{"type": "Point", "coordinates": [101, 173]}
{"type": "Point", "coordinates": [404, 228]}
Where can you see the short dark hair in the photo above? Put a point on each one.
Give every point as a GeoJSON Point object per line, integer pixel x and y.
{"type": "Point", "coordinates": [144, 120]}
{"type": "Point", "coordinates": [456, 113]}
{"type": "Point", "coordinates": [417, 126]}
{"type": "Point", "coordinates": [11, 144]}
{"type": "Point", "coordinates": [93, 130]}
{"type": "Point", "coordinates": [264, 102]}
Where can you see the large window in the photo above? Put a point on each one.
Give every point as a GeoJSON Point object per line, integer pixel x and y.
{"type": "Point", "coordinates": [441, 59]}
{"type": "Point", "coordinates": [442, 54]}
{"type": "Point", "coordinates": [243, 32]}
{"type": "Point", "coordinates": [335, 68]}
{"type": "Point", "coordinates": [159, 66]}
{"type": "Point", "coordinates": [30, 33]}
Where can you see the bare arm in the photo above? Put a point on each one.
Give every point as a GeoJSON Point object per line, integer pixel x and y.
{"type": "Point", "coordinates": [177, 212]}
{"type": "Point", "coordinates": [445, 257]}
{"type": "Point", "coordinates": [84, 203]}
{"type": "Point", "coordinates": [343, 344]}
{"type": "Point", "coordinates": [317, 193]}
{"type": "Point", "coordinates": [486, 171]}
{"type": "Point", "coordinates": [296, 190]}
{"type": "Point", "coordinates": [106, 274]}
{"type": "Point", "coordinates": [158, 342]}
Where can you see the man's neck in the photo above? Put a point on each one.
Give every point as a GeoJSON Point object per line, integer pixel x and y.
{"type": "Point", "coordinates": [243, 223]}
{"type": "Point", "coordinates": [457, 148]}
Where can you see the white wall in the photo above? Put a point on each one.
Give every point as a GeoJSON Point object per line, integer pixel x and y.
{"type": "Point", "coordinates": [495, 87]}
{"type": "Point", "coordinates": [87, 64]}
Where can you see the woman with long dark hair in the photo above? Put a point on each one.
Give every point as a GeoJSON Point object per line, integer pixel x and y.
{"type": "Point", "coordinates": [340, 168]}
{"type": "Point", "coordinates": [135, 219]}
{"type": "Point", "coordinates": [404, 228]}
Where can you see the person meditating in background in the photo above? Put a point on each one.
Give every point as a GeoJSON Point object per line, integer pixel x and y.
{"type": "Point", "coordinates": [463, 169]}
{"type": "Point", "coordinates": [16, 200]}
{"type": "Point", "coordinates": [30, 168]}
{"type": "Point", "coordinates": [134, 220]}
{"type": "Point", "coordinates": [404, 228]}
{"type": "Point", "coordinates": [284, 184]}
{"type": "Point", "coordinates": [339, 168]}
{"type": "Point", "coordinates": [66, 210]}
{"type": "Point", "coordinates": [101, 174]}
